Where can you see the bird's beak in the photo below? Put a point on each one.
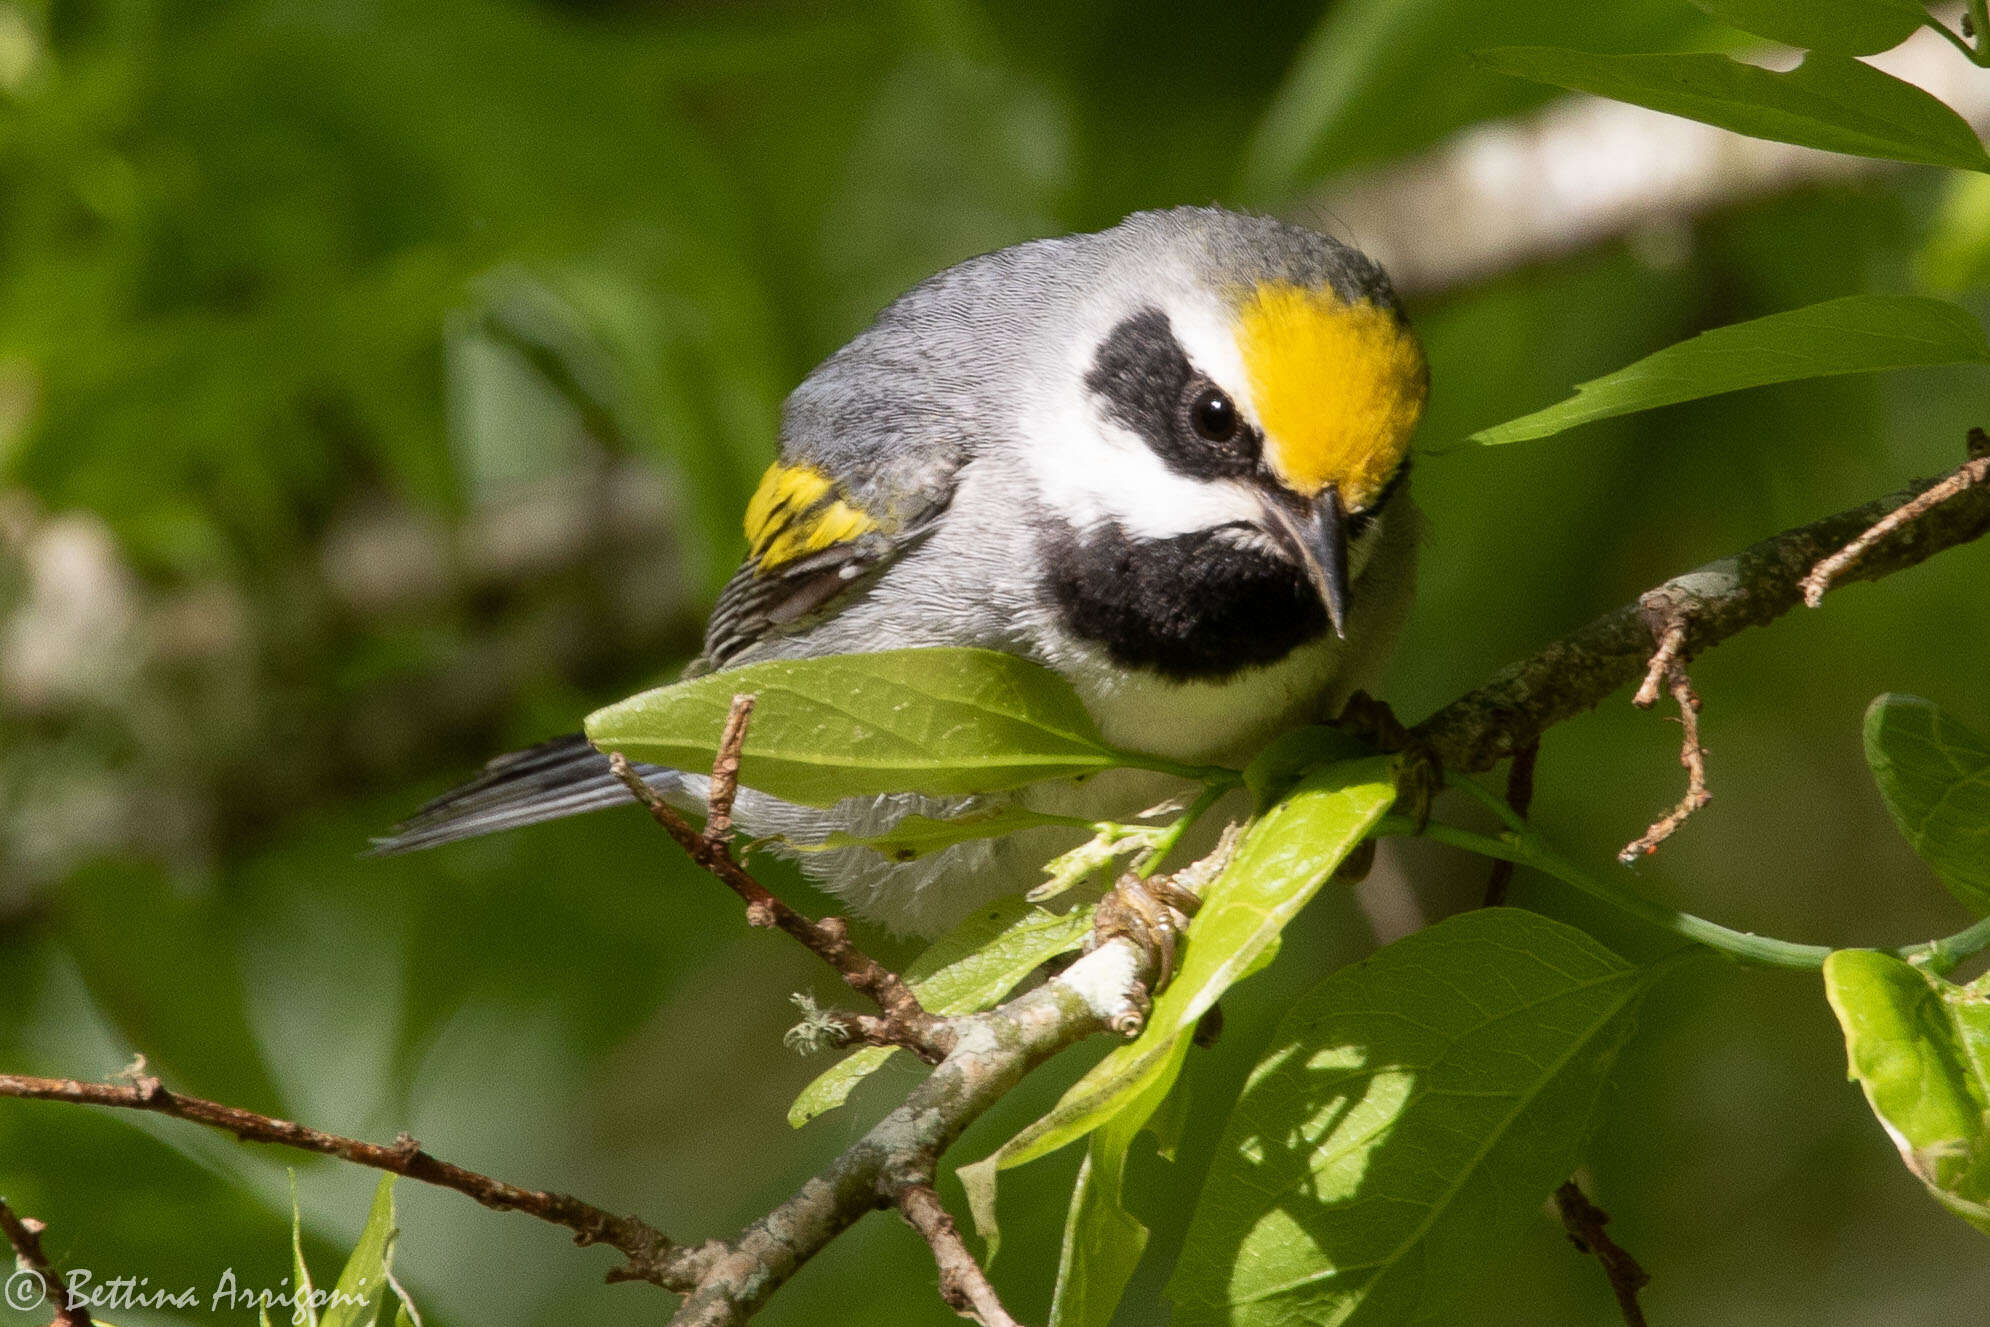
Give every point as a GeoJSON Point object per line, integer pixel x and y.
{"type": "Point", "coordinates": [1316, 533]}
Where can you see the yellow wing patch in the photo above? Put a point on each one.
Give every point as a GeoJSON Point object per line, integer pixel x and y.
{"type": "Point", "coordinates": [1338, 388]}
{"type": "Point", "coordinates": [796, 511]}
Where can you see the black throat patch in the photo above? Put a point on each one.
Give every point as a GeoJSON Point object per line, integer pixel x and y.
{"type": "Point", "coordinates": [1193, 607]}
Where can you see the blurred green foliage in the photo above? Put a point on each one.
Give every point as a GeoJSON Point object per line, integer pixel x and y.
{"type": "Point", "coordinates": [307, 305]}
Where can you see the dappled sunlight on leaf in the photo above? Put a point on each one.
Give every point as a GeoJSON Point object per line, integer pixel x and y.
{"type": "Point", "coordinates": [1280, 863]}
{"type": "Point", "coordinates": [1413, 1112]}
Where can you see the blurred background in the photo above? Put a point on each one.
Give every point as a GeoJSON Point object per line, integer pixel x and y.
{"type": "Point", "coordinates": [380, 386]}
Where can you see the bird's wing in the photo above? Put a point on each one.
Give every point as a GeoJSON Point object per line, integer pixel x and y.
{"type": "Point", "coordinates": [810, 545]}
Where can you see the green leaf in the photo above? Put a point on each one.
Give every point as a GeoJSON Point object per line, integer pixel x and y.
{"type": "Point", "coordinates": [1414, 1110]}
{"type": "Point", "coordinates": [1920, 1047]}
{"type": "Point", "coordinates": [362, 1287]}
{"type": "Point", "coordinates": [1278, 867]}
{"type": "Point", "coordinates": [1102, 1240]}
{"type": "Point", "coordinates": [306, 1290]}
{"type": "Point", "coordinates": [1829, 101]}
{"type": "Point", "coordinates": [1856, 334]}
{"type": "Point", "coordinates": [943, 722]}
{"type": "Point", "coordinates": [1292, 755]}
{"type": "Point", "coordinates": [1934, 776]}
{"type": "Point", "coordinates": [969, 969]}
{"type": "Point", "coordinates": [1844, 27]}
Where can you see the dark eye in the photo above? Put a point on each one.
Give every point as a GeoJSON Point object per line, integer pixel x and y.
{"type": "Point", "coordinates": [1214, 416]}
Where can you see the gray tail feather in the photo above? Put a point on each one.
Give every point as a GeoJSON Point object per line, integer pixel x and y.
{"type": "Point", "coordinates": [562, 777]}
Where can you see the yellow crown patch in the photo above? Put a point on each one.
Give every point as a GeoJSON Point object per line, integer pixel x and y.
{"type": "Point", "coordinates": [1338, 388]}
{"type": "Point", "coordinates": [796, 511]}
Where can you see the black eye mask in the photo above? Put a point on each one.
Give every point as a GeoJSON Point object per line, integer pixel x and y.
{"type": "Point", "coordinates": [1147, 383]}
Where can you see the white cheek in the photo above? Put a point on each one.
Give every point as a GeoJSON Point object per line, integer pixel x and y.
{"type": "Point", "coordinates": [1093, 471]}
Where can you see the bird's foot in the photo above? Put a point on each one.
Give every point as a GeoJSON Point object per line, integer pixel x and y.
{"type": "Point", "coordinates": [1154, 914]}
{"type": "Point", "coordinates": [1419, 776]}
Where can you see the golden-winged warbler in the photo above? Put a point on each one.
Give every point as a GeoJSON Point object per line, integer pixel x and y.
{"type": "Point", "coordinates": [1166, 460]}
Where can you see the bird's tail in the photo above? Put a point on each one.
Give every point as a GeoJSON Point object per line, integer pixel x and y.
{"type": "Point", "coordinates": [562, 777]}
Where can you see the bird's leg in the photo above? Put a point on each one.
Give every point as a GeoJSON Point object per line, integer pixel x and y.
{"type": "Point", "coordinates": [1153, 913]}
{"type": "Point", "coordinates": [1419, 776]}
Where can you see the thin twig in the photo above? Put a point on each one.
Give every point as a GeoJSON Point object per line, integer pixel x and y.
{"type": "Point", "coordinates": [1693, 756]}
{"type": "Point", "coordinates": [1669, 615]}
{"type": "Point", "coordinates": [907, 1022]}
{"type": "Point", "coordinates": [1970, 474]}
{"type": "Point", "coordinates": [725, 770]}
{"type": "Point", "coordinates": [1584, 1222]}
{"type": "Point", "coordinates": [853, 1029]}
{"type": "Point", "coordinates": [24, 1234]}
{"type": "Point", "coordinates": [1671, 640]}
{"type": "Point", "coordinates": [1519, 796]}
{"type": "Point", "coordinates": [652, 1256]}
{"type": "Point", "coordinates": [963, 1285]}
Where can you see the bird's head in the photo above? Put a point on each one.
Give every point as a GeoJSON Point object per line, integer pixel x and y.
{"type": "Point", "coordinates": [1243, 385]}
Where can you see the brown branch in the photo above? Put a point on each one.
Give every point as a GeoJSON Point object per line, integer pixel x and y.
{"type": "Point", "coordinates": [1519, 796]}
{"type": "Point", "coordinates": [724, 1283]}
{"type": "Point", "coordinates": [1970, 474]}
{"type": "Point", "coordinates": [992, 1053]}
{"type": "Point", "coordinates": [847, 1029]}
{"type": "Point", "coordinates": [1584, 1222]}
{"type": "Point", "coordinates": [1575, 674]}
{"type": "Point", "coordinates": [651, 1256]}
{"type": "Point", "coordinates": [907, 1022]}
{"type": "Point", "coordinates": [963, 1285]}
{"type": "Point", "coordinates": [24, 1234]}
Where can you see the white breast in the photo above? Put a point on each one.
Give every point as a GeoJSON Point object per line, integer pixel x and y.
{"type": "Point", "coordinates": [1198, 722]}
